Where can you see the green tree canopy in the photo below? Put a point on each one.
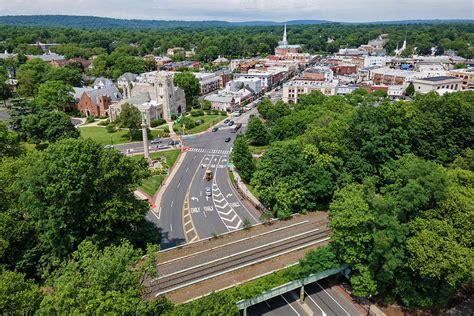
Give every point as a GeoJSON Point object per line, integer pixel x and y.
{"type": "Point", "coordinates": [242, 159]}
{"type": "Point", "coordinates": [256, 132]}
{"type": "Point", "coordinates": [75, 190]}
{"type": "Point", "coordinates": [17, 295]}
{"type": "Point", "coordinates": [130, 117]}
{"type": "Point", "coordinates": [47, 126]}
{"type": "Point", "coordinates": [104, 281]}
{"type": "Point", "coordinates": [54, 95]}
{"type": "Point", "coordinates": [190, 84]}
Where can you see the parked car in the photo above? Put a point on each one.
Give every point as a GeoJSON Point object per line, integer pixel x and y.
{"type": "Point", "coordinates": [156, 141]}
{"type": "Point", "coordinates": [226, 121]}
{"type": "Point", "coordinates": [163, 147]}
{"type": "Point", "coordinates": [227, 139]}
{"type": "Point", "coordinates": [231, 123]}
{"type": "Point", "coordinates": [173, 143]}
{"type": "Point", "coordinates": [215, 129]}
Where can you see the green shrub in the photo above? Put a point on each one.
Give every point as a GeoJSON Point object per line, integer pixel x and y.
{"type": "Point", "coordinates": [90, 119]}
{"type": "Point", "coordinates": [103, 123]}
{"type": "Point", "coordinates": [197, 113]}
{"type": "Point", "coordinates": [110, 128]}
{"type": "Point", "coordinates": [173, 116]}
{"type": "Point", "coordinates": [158, 122]}
{"type": "Point", "coordinates": [166, 129]}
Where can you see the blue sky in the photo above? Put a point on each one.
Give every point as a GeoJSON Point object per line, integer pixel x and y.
{"type": "Point", "coordinates": [248, 10]}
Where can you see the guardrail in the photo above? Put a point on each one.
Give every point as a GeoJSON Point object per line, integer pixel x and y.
{"type": "Point", "coordinates": [285, 288]}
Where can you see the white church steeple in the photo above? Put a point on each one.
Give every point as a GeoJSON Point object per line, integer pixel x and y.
{"type": "Point", "coordinates": [284, 42]}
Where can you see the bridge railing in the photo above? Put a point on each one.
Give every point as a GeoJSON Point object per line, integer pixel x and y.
{"type": "Point", "coordinates": [287, 287]}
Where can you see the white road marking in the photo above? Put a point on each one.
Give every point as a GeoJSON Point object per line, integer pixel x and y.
{"type": "Point", "coordinates": [179, 183]}
{"type": "Point", "coordinates": [228, 195]}
{"type": "Point", "coordinates": [311, 299]}
{"type": "Point", "coordinates": [195, 199]}
{"type": "Point", "coordinates": [186, 169]}
{"type": "Point", "coordinates": [153, 212]}
{"type": "Point", "coordinates": [171, 228]}
{"type": "Point", "coordinates": [290, 305]}
{"type": "Point", "coordinates": [332, 298]}
{"type": "Point", "coordinates": [172, 202]}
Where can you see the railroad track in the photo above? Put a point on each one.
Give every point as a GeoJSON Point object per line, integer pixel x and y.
{"type": "Point", "coordinates": [201, 272]}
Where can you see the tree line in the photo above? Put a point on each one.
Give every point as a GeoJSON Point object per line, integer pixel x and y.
{"type": "Point", "coordinates": [395, 177]}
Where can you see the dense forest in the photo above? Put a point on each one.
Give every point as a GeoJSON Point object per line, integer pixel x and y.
{"type": "Point", "coordinates": [236, 42]}
{"type": "Point", "coordinates": [397, 180]}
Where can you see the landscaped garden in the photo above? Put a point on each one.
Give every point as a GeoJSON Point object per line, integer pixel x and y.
{"type": "Point", "coordinates": [197, 124]}
{"type": "Point", "coordinates": [153, 183]}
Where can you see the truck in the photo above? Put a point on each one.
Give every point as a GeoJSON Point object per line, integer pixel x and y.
{"type": "Point", "coordinates": [236, 127]}
{"type": "Point", "coordinates": [208, 175]}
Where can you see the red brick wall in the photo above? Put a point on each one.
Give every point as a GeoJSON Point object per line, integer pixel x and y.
{"type": "Point", "coordinates": [87, 106]}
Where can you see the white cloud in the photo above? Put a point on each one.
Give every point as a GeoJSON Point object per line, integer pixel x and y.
{"type": "Point", "coordinates": [245, 10]}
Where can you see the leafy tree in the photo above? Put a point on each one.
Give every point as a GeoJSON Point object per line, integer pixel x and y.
{"type": "Point", "coordinates": [104, 281]}
{"type": "Point", "coordinates": [68, 75]}
{"type": "Point", "coordinates": [242, 159]}
{"type": "Point", "coordinates": [17, 229]}
{"type": "Point", "coordinates": [256, 132]}
{"type": "Point", "coordinates": [130, 117]}
{"type": "Point", "coordinates": [410, 90]}
{"type": "Point", "coordinates": [9, 142]}
{"type": "Point", "coordinates": [5, 91]}
{"type": "Point", "coordinates": [30, 75]}
{"type": "Point", "coordinates": [77, 190]}
{"type": "Point", "coordinates": [190, 84]}
{"type": "Point", "coordinates": [17, 295]}
{"type": "Point", "coordinates": [54, 95]}
{"type": "Point", "coordinates": [47, 126]}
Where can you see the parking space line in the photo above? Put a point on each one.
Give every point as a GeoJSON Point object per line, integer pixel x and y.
{"type": "Point", "coordinates": [290, 305]}
{"type": "Point", "coordinates": [332, 298]}
{"type": "Point", "coordinates": [311, 299]}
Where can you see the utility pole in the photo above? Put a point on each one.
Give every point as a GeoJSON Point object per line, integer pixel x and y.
{"type": "Point", "coordinates": [146, 153]}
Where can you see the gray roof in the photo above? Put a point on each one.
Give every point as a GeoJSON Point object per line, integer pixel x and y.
{"type": "Point", "coordinates": [219, 98]}
{"type": "Point", "coordinates": [440, 78]}
{"type": "Point", "coordinates": [78, 93]}
{"type": "Point", "coordinates": [106, 82]}
{"type": "Point", "coordinates": [48, 57]}
{"type": "Point", "coordinates": [111, 92]}
{"type": "Point", "coordinates": [128, 76]}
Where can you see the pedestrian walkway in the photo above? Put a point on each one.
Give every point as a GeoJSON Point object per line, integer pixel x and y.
{"type": "Point", "coordinates": [210, 151]}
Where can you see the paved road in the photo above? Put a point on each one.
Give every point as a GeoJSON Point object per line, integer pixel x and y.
{"type": "Point", "coordinates": [185, 194]}
{"type": "Point", "coordinates": [320, 299]}
{"type": "Point", "coordinates": [185, 214]}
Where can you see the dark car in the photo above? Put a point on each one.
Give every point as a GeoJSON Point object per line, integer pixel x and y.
{"type": "Point", "coordinates": [226, 121]}
{"type": "Point", "coordinates": [215, 129]}
{"type": "Point", "coordinates": [227, 139]}
{"type": "Point", "coordinates": [156, 141]}
{"type": "Point", "coordinates": [231, 123]}
{"type": "Point", "coordinates": [173, 143]}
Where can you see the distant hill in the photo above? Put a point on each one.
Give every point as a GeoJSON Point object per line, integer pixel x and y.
{"type": "Point", "coordinates": [101, 22]}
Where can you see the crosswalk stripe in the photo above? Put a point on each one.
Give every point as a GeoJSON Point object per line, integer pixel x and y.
{"type": "Point", "coordinates": [210, 151]}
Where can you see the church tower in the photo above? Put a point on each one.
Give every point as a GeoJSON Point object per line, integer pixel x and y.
{"type": "Point", "coordinates": [284, 42]}
{"type": "Point", "coordinates": [164, 93]}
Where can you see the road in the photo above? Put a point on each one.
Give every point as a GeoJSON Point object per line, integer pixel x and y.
{"type": "Point", "coordinates": [185, 213]}
{"type": "Point", "coordinates": [320, 299]}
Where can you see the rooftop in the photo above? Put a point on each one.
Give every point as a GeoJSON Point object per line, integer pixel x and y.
{"type": "Point", "coordinates": [439, 78]}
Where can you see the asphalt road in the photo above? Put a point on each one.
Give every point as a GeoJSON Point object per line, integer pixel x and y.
{"type": "Point", "coordinates": [216, 214]}
{"type": "Point", "coordinates": [185, 214]}
{"type": "Point", "coordinates": [319, 298]}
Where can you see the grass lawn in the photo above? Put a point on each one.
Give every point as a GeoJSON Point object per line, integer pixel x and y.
{"type": "Point", "coordinates": [209, 120]}
{"type": "Point", "coordinates": [153, 183]}
{"type": "Point", "coordinates": [101, 136]}
{"type": "Point", "coordinates": [257, 150]}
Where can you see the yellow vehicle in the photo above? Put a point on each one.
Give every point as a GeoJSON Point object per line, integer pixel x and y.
{"type": "Point", "coordinates": [209, 175]}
